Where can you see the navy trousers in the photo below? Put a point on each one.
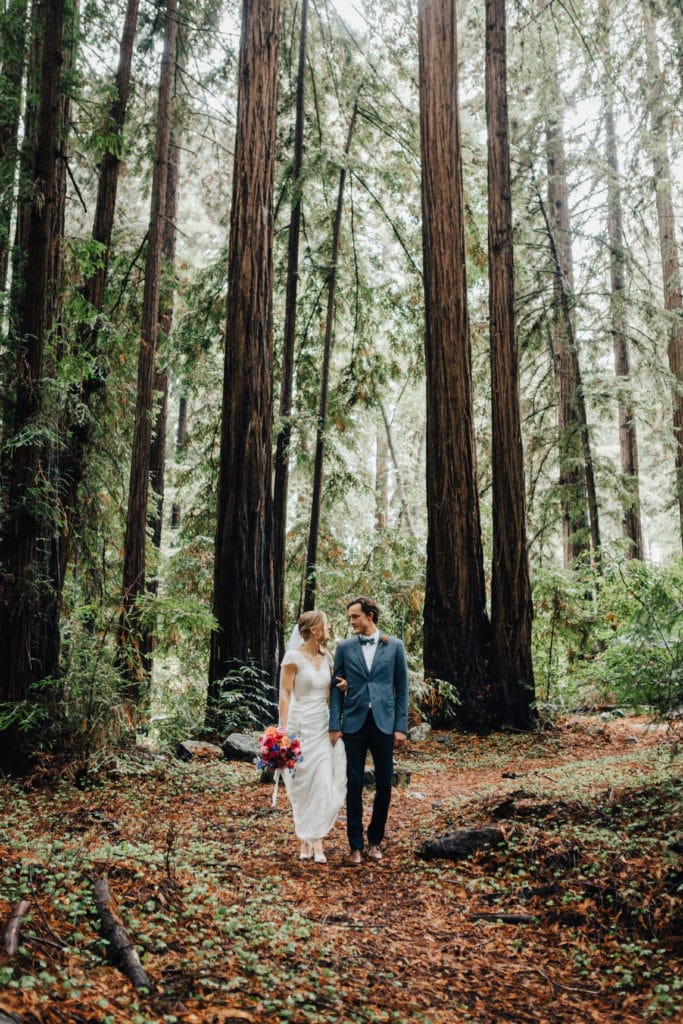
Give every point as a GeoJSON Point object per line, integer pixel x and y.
{"type": "Point", "coordinates": [381, 746]}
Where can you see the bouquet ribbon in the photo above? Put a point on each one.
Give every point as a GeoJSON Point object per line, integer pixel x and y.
{"type": "Point", "coordinates": [276, 776]}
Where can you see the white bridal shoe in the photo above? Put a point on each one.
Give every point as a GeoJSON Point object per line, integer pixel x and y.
{"type": "Point", "coordinates": [306, 851]}
{"type": "Point", "coordinates": [318, 854]}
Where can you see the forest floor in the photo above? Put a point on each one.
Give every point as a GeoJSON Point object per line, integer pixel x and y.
{"type": "Point", "coordinates": [231, 927]}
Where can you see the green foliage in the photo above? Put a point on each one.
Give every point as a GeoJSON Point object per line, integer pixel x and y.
{"type": "Point", "coordinates": [437, 700]}
{"type": "Point", "coordinates": [392, 573]}
{"type": "Point", "coordinates": [181, 624]}
{"type": "Point", "coordinates": [27, 716]}
{"type": "Point", "coordinates": [244, 701]}
{"type": "Point", "coordinates": [177, 711]}
{"type": "Point", "coordinates": [617, 638]}
{"type": "Point", "coordinates": [93, 716]}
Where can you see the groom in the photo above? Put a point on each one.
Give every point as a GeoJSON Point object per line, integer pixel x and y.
{"type": "Point", "coordinates": [372, 715]}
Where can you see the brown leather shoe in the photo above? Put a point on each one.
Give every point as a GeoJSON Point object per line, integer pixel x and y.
{"type": "Point", "coordinates": [375, 853]}
{"type": "Point", "coordinates": [354, 858]}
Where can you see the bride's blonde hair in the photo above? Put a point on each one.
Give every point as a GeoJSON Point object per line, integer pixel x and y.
{"type": "Point", "coordinates": [307, 623]}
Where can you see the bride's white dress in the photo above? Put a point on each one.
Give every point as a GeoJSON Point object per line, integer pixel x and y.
{"type": "Point", "coordinates": [318, 789]}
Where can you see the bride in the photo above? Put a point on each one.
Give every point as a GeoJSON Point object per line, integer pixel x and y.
{"type": "Point", "coordinates": [318, 789]}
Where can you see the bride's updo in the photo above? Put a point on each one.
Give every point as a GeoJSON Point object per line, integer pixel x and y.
{"type": "Point", "coordinates": [309, 622]}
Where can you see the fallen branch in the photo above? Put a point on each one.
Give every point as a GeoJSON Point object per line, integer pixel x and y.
{"type": "Point", "coordinates": [14, 927]}
{"type": "Point", "coordinates": [36, 940]}
{"type": "Point", "coordinates": [123, 953]}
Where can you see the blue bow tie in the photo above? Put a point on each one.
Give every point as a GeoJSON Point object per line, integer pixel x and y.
{"type": "Point", "coordinates": [366, 639]}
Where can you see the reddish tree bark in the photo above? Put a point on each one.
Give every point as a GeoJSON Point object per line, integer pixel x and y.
{"type": "Point", "coordinates": [27, 496]}
{"type": "Point", "coordinates": [281, 481]}
{"type": "Point", "coordinates": [77, 430]}
{"type": "Point", "coordinates": [134, 557]}
{"type": "Point", "coordinates": [668, 244]}
{"type": "Point", "coordinates": [457, 635]}
{"type": "Point", "coordinates": [14, 45]}
{"type": "Point", "coordinates": [243, 599]}
{"type": "Point", "coordinates": [578, 498]}
{"type": "Point", "coordinates": [628, 441]}
{"type": "Point", "coordinates": [310, 584]}
{"type": "Point", "coordinates": [511, 602]}
{"type": "Point", "coordinates": [157, 459]}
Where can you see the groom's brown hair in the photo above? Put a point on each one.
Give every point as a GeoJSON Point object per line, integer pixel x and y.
{"type": "Point", "coordinates": [368, 605]}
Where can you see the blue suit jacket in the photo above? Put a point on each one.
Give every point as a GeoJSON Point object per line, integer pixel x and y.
{"type": "Point", "coordinates": [385, 686]}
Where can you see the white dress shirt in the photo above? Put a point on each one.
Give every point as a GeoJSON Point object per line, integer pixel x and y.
{"type": "Point", "coordinates": [370, 649]}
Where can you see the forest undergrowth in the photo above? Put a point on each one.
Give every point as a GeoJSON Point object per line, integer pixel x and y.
{"type": "Point", "coordinates": [575, 917]}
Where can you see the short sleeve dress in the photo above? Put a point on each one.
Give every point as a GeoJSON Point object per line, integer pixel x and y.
{"type": "Point", "coordinates": [318, 788]}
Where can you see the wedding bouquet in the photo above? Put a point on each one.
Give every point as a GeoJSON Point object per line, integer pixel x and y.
{"type": "Point", "coordinates": [277, 749]}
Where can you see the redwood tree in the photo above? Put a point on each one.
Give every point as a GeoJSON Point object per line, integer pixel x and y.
{"type": "Point", "coordinates": [12, 56]}
{"type": "Point", "coordinates": [281, 479]}
{"type": "Point", "coordinates": [243, 597]}
{"type": "Point", "coordinates": [28, 497]}
{"type": "Point", "coordinates": [668, 244]}
{"type": "Point", "coordinates": [316, 500]}
{"type": "Point", "coordinates": [511, 604]}
{"type": "Point", "coordinates": [628, 441]}
{"type": "Point", "coordinates": [157, 459]}
{"type": "Point", "coordinates": [134, 555]}
{"type": "Point", "coordinates": [457, 635]}
{"type": "Point", "coordinates": [577, 485]}
{"type": "Point", "coordinates": [77, 430]}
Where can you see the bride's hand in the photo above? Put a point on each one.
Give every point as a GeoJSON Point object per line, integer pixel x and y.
{"type": "Point", "coordinates": [342, 685]}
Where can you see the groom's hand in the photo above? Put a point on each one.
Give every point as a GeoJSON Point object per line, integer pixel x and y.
{"type": "Point", "coordinates": [334, 736]}
{"type": "Point", "coordinates": [399, 739]}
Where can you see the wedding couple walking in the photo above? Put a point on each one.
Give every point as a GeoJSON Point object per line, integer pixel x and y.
{"type": "Point", "coordinates": [367, 687]}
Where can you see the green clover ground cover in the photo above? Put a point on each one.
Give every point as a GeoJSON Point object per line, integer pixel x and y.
{"type": "Point", "coordinates": [230, 927]}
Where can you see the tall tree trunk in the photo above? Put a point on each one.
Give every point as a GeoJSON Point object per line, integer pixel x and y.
{"type": "Point", "coordinates": [381, 479]}
{"type": "Point", "coordinates": [45, 634]}
{"type": "Point", "coordinates": [668, 245]}
{"type": "Point", "coordinates": [26, 495]}
{"type": "Point", "coordinates": [157, 460]}
{"type": "Point", "coordinates": [24, 203]}
{"type": "Point", "coordinates": [674, 10]}
{"type": "Point", "coordinates": [511, 602]}
{"type": "Point", "coordinates": [577, 485]}
{"type": "Point", "coordinates": [13, 58]}
{"type": "Point", "coordinates": [316, 500]}
{"type": "Point", "coordinates": [628, 441]}
{"type": "Point", "coordinates": [458, 645]}
{"type": "Point", "coordinates": [77, 429]}
{"type": "Point", "coordinates": [405, 508]}
{"type": "Point", "coordinates": [243, 599]}
{"type": "Point", "coordinates": [158, 453]}
{"type": "Point", "coordinates": [284, 436]}
{"type": "Point", "coordinates": [180, 441]}
{"type": "Point", "coordinates": [134, 557]}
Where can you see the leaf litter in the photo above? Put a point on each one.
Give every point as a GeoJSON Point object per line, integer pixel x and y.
{"type": "Point", "coordinates": [576, 916]}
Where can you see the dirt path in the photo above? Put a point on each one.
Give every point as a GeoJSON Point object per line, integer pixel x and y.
{"type": "Point", "coordinates": [234, 928]}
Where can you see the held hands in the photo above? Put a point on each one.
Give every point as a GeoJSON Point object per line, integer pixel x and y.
{"type": "Point", "coordinates": [334, 737]}
{"type": "Point", "coordinates": [342, 685]}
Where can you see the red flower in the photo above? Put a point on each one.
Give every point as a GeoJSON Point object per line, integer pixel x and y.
{"type": "Point", "coordinates": [278, 750]}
